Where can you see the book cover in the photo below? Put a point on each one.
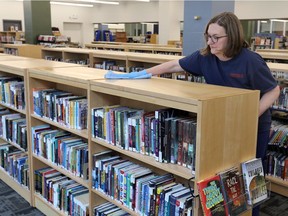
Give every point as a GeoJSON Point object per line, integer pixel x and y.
{"type": "Point", "coordinates": [211, 196]}
{"type": "Point", "coordinates": [233, 189]}
{"type": "Point", "coordinates": [254, 181]}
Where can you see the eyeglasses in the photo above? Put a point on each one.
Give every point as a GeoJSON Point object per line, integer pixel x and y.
{"type": "Point", "coordinates": [213, 38]}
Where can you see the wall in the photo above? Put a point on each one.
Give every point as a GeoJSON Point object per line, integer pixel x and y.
{"type": "Point", "coordinates": [261, 9]}
{"type": "Point", "coordinates": [129, 11]}
{"type": "Point", "coordinates": [61, 14]}
{"type": "Point", "coordinates": [10, 10]}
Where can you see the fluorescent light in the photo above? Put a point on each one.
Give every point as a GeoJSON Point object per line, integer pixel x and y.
{"type": "Point", "coordinates": [71, 4]}
{"type": "Point", "coordinates": [263, 21]}
{"type": "Point", "coordinates": [143, 0]}
{"type": "Point", "coordinates": [100, 2]}
{"type": "Point", "coordinates": [278, 20]}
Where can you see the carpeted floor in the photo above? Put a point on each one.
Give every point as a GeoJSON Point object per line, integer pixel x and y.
{"type": "Point", "coordinates": [12, 204]}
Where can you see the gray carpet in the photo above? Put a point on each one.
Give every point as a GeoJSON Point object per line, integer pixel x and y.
{"type": "Point", "coordinates": [277, 205]}
{"type": "Point", "coordinates": [12, 204]}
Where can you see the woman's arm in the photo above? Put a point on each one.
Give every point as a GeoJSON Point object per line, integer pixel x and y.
{"type": "Point", "coordinates": [268, 99]}
{"type": "Point", "coordinates": [167, 67]}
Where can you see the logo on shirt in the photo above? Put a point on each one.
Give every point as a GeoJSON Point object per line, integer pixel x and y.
{"type": "Point", "coordinates": [237, 75]}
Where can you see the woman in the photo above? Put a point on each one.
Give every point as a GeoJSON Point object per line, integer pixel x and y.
{"type": "Point", "coordinates": [226, 61]}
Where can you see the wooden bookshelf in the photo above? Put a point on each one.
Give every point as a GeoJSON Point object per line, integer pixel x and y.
{"type": "Point", "coordinates": [99, 57]}
{"type": "Point", "coordinates": [18, 66]}
{"type": "Point", "coordinates": [278, 185]}
{"type": "Point", "coordinates": [11, 36]}
{"type": "Point", "coordinates": [72, 80]}
{"type": "Point", "coordinates": [138, 47]}
{"type": "Point", "coordinates": [232, 135]}
{"type": "Point", "coordinates": [24, 50]}
{"type": "Point", "coordinates": [77, 56]}
{"type": "Point", "coordinates": [223, 140]}
{"type": "Point", "coordinates": [274, 54]}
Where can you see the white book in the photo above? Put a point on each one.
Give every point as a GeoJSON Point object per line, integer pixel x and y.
{"type": "Point", "coordinates": [254, 181]}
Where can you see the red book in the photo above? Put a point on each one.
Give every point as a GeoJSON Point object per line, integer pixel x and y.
{"type": "Point", "coordinates": [211, 196]}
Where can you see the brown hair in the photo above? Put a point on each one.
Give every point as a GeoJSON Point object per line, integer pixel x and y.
{"type": "Point", "coordinates": [234, 31]}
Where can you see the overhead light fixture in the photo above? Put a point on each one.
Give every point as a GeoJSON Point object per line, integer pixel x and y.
{"type": "Point", "coordinates": [143, 0]}
{"type": "Point", "coordinates": [278, 20]}
{"type": "Point", "coordinates": [100, 2]}
{"type": "Point", "coordinates": [70, 4]}
{"type": "Point", "coordinates": [263, 21]}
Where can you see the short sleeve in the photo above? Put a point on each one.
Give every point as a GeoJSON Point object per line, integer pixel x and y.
{"type": "Point", "coordinates": [192, 63]}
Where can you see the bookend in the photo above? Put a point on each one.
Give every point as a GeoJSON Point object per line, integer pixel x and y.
{"type": "Point", "coordinates": [191, 188]}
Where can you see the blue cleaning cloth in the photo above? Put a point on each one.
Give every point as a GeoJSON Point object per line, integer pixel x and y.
{"type": "Point", "coordinates": [133, 75]}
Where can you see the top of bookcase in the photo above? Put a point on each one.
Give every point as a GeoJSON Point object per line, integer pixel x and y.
{"type": "Point", "coordinates": [78, 76]}
{"type": "Point", "coordinates": [21, 66]}
{"type": "Point", "coordinates": [7, 57]}
{"type": "Point", "coordinates": [156, 89]}
{"type": "Point", "coordinates": [278, 66]}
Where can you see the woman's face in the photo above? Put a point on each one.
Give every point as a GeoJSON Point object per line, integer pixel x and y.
{"type": "Point", "coordinates": [217, 40]}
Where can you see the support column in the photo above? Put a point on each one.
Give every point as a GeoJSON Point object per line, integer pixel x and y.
{"type": "Point", "coordinates": [37, 17]}
{"type": "Point", "coordinates": [169, 23]}
{"type": "Point", "coordinates": [196, 16]}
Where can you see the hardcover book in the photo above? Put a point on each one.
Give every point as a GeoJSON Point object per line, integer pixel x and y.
{"type": "Point", "coordinates": [233, 189]}
{"type": "Point", "coordinates": [254, 181]}
{"type": "Point", "coordinates": [211, 196]}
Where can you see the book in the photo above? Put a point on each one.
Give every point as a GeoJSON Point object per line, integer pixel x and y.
{"type": "Point", "coordinates": [233, 189]}
{"type": "Point", "coordinates": [254, 181]}
{"type": "Point", "coordinates": [211, 196]}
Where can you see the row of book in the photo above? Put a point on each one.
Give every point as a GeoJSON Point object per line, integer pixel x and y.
{"type": "Point", "coordinates": [13, 128]}
{"type": "Point", "coordinates": [278, 137]}
{"type": "Point", "coordinates": [108, 209]}
{"type": "Point", "coordinates": [164, 134]}
{"type": "Point", "coordinates": [12, 91]}
{"type": "Point", "coordinates": [62, 107]}
{"type": "Point", "coordinates": [139, 188]}
{"type": "Point", "coordinates": [110, 65]}
{"type": "Point", "coordinates": [53, 58]}
{"type": "Point", "coordinates": [63, 193]}
{"type": "Point", "coordinates": [277, 164]}
{"type": "Point", "coordinates": [78, 61]}
{"type": "Point", "coordinates": [15, 163]}
{"type": "Point", "coordinates": [279, 75]}
{"type": "Point", "coordinates": [6, 39]}
{"type": "Point", "coordinates": [231, 193]}
{"type": "Point", "coordinates": [62, 149]}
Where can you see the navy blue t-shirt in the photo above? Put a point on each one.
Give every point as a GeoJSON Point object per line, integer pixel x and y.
{"type": "Point", "coordinates": [247, 70]}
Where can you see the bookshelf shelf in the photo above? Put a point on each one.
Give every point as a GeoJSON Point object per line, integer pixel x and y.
{"type": "Point", "coordinates": [117, 203]}
{"type": "Point", "coordinates": [278, 185]}
{"type": "Point", "coordinates": [46, 207]}
{"type": "Point", "coordinates": [15, 145]}
{"type": "Point", "coordinates": [80, 133]}
{"type": "Point", "coordinates": [13, 108]}
{"type": "Point", "coordinates": [62, 170]}
{"type": "Point", "coordinates": [175, 169]}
